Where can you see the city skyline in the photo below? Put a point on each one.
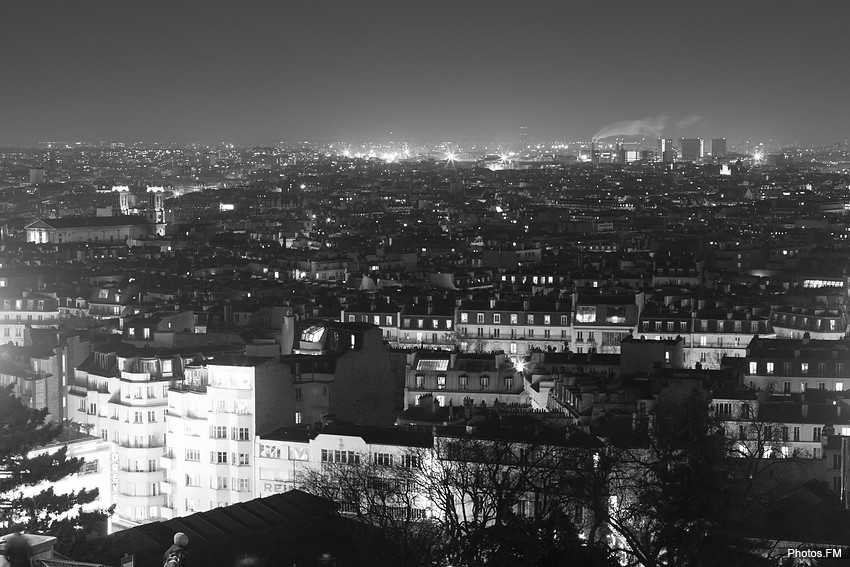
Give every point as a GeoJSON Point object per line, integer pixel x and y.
{"type": "Point", "coordinates": [258, 74]}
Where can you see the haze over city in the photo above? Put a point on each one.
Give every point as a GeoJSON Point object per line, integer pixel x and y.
{"type": "Point", "coordinates": [424, 284]}
{"type": "Point", "coordinates": [260, 73]}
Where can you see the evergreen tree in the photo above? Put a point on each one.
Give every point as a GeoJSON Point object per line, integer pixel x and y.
{"type": "Point", "coordinates": [23, 469]}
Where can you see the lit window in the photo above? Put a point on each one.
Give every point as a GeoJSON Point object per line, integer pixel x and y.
{"type": "Point", "coordinates": [586, 314]}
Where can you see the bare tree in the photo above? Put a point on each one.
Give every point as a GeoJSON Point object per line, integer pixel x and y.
{"type": "Point", "coordinates": [491, 488]}
{"type": "Point", "coordinates": [387, 499]}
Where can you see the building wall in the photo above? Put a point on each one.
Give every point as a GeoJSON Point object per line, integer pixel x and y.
{"type": "Point", "coordinates": [362, 390]}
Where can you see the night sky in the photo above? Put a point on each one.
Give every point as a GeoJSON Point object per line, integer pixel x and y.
{"type": "Point", "coordinates": [463, 70]}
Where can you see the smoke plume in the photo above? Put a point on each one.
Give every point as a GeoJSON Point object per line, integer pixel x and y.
{"type": "Point", "coordinates": [650, 127]}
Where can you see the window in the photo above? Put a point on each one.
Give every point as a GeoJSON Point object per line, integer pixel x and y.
{"type": "Point", "coordinates": [512, 348]}
{"type": "Point", "coordinates": [146, 332]}
{"type": "Point", "coordinates": [219, 457]}
{"type": "Point", "coordinates": [786, 387]}
{"type": "Point", "coordinates": [420, 381]}
{"type": "Point", "coordinates": [497, 318]}
{"type": "Point", "coordinates": [269, 451]}
{"type": "Point", "coordinates": [547, 319]}
{"type": "Point", "coordinates": [485, 382]}
{"type": "Point", "coordinates": [804, 368]}
{"type": "Point", "coordinates": [221, 483]}
{"type": "Point", "coordinates": [770, 368]}
{"type": "Point", "coordinates": [435, 324]}
{"type": "Point", "coordinates": [137, 417]}
{"type": "Point", "coordinates": [796, 433]}
{"type": "Point", "coordinates": [193, 454]}
{"type": "Point", "coordinates": [479, 318]}
{"type": "Point", "coordinates": [462, 382]}
{"type": "Point", "coordinates": [839, 368]}
{"type": "Point", "coordinates": [384, 459]}
{"type": "Point", "coordinates": [218, 432]}
{"type": "Point", "coordinates": [241, 459]}
{"type": "Point", "coordinates": [420, 323]}
{"type": "Point", "coordinates": [89, 467]}
{"type": "Point", "coordinates": [441, 382]}
{"type": "Point", "coordinates": [243, 484]}
{"type": "Point", "coordinates": [586, 314]}
{"type": "Point", "coordinates": [564, 320]}
{"type": "Point", "coordinates": [514, 319]}
{"type": "Point", "coordinates": [509, 384]}
{"type": "Point", "coordinates": [464, 317]}
{"type": "Point", "coordinates": [388, 320]}
{"type": "Point", "coordinates": [411, 461]}
{"type": "Point", "coordinates": [816, 433]}
{"type": "Point", "coordinates": [151, 416]}
{"type": "Point", "coordinates": [240, 434]}
{"type": "Point", "coordinates": [839, 386]}
{"type": "Point", "coordinates": [803, 385]}
{"type": "Point", "coordinates": [298, 394]}
{"type": "Point", "coordinates": [448, 323]}
{"type": "Point", "coordinates": [821, 385]}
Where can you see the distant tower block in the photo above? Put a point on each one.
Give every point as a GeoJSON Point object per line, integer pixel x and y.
{"type": "Point", "coordinates": [718, 147]}
{"type": "Point", "coordinates": [36, 175]}
{"type": "Point", "coordinates": [665, 150]}
{"type": "Point", "coordinates": [126, 200]}
{"type": "Point", "coordinates": [156, 203]}
{"type": "Point", "coordinates": [692, 149]}
{"type": "Point", "coordinates": [523, 137]}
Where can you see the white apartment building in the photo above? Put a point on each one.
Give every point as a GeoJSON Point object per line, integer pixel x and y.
{"type": "Point", "coordinates": [284, 455]}
{"type": "Point", "coordinates": [19, 310]}
{"type": "Point", "coordinates": [121, 394]}
{"type": "Point", "coordinates": [212, 420]}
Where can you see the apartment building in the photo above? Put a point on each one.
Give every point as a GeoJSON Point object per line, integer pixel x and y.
{"type": "Point", "coordinates": [212, 418]}
{"type": "Point", "coordinates": [516, 328]}
{"type": "Point", "coordinates": [343, 370]}
{"type": "Point", "coordinates": [460, 379]}
{"type": "Point", "coordinates": [19, 310]}
{"type": "Point", "coordinates": [600, 322]}
{"type": "Point", "coordinates": [818, 323]}
{"type": "Point", "coordinates": [120, 394]}
{"type": "Point", "coordinates": [787, 366]}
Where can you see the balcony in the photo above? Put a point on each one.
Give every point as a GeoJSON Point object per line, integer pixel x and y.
{"type": "Point", "coordinates": [149, 500]}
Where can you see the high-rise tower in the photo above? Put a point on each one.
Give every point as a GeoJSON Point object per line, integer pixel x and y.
{"type": "Point", "coordinates": [692, 149]}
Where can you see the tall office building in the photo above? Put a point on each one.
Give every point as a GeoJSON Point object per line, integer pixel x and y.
{"type": "Point", "coordinates": [523, 137]}
{"type": "Point", "coordinates": [666, 151]}
{"type": "Point", "coordinates": [692, 149]}
{"type": "Point", "coordinates": [718, 147]}
{"type": "Point", "coordinates": [36, 175]}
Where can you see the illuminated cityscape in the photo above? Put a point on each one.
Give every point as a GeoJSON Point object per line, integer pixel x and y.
{"type": "Point", "coordinates": [309, 286]}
